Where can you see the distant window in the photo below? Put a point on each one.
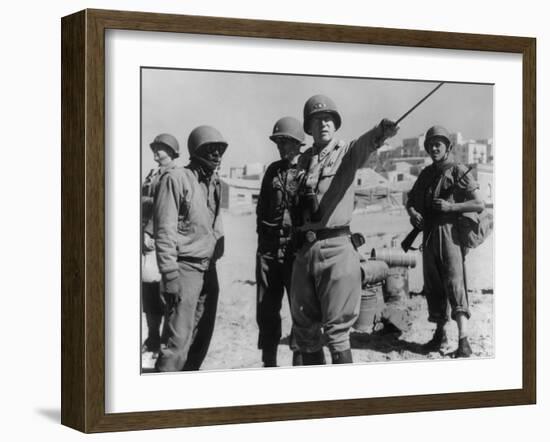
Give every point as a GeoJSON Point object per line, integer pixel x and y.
{"type": "Point", "coordinates": [400, 177]}
{"type": "Point", "coordinates": [359, 181]}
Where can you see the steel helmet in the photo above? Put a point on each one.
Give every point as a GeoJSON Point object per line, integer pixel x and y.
{"type": "Point", "coordinates": [204, 135]}
{"type": "Point", "coordinates": [317, 104]}
{"type": "Point", "coordinates": [438, 132]}
{"type": "Point", "coordinates": [288, 127]}
{"type": "Point", "coordinates": [166, 140]}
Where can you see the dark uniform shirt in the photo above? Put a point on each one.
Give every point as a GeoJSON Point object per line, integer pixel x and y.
{"type": "Point", "coordinates": [453, 183]}
{"type": "Point", "coordinates": [273, 219]}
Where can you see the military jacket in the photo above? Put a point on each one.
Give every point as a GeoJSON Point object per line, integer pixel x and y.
{"type": "Point", "coordinates": [148, 190]}
{"type": "Point", "coordinates": [278, 190]}
{"type": "Point", "coordinates": [273, 212]}
{"type": "Point", "coordinates": [331, 173]}
{"type": "Point", "coordinates": [187, 221]}
{"type": "Point", "coordinates": [451, 183]}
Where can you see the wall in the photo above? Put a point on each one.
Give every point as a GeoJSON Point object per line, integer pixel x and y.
{"type": "Point", "coordinates": [30, 107]}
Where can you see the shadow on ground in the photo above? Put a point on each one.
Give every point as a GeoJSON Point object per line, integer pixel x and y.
{"type": "Point", "coordinates": [385, 342]}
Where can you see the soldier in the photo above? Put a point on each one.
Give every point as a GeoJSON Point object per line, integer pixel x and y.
{"type": "Point", "coordinates": [189, 241]}
{"type": "Point", "coordinates": [326, 277]}
{"type": "Point", "coordinates": [442, 191]}
{"type": "Point", "coordinates": [165, 150]}
{"type": "Point", "coordinates": [275, 253]}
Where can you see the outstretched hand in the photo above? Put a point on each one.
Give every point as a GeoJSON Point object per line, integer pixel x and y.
{"type": "Point", "coordinates": [386, 129]}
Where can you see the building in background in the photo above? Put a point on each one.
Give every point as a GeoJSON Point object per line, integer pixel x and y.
{"type": "Point", "coordinates": [471, 152]}
{"type": "Point", "coordinates": [239, 195]}
{"type": "Point", "coordinates": [235, 172]}
{"type": "Point", "coordinates": [390, 173]}
{"type": "Point", "coordinates": [414, 147]}
{"type": "Point", "coordinates": [483, 173]}
{"type": "Point", "coordinates": [489, 143]}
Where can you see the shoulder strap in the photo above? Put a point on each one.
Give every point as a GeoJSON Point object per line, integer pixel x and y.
{"type": "Point", "coordinates": [438, 179]}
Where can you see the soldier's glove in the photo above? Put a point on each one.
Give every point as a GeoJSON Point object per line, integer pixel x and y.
{"type": "Point", "coordinates": [386, 129]}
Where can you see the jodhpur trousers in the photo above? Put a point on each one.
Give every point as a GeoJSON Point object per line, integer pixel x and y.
{"type": "Point", "coordinates": [325, 294]}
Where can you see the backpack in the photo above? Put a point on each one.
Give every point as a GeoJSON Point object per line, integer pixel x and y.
{"type": "Point", "coordinates": [473, 227]}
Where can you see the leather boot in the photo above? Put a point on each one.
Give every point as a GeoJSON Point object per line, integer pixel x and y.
{"type": "Point", "coordinates": [316, 358]}
{"type": "Point", "coordinates": [297, 358]}
{"type": "Point", "coordinates": [342, 357]}
{"type": "Point", "coordinates": [439, 341]}
{"type": "Point", "coordinates": [269, 356]}
{"type": "Point", "coordinates": [464, 350]}
{"type": "Point", "coordinates": [152, 343]}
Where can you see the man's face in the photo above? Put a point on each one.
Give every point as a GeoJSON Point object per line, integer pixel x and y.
{"type": "Point", "coordinates": [322, 128]}
{"type": "Point", "coordinates": [288, 148]}
{"type": "Point", "coordinates": [212, 153]}
{"type": "Point", "coordinates": [162, 156]}
{"type": "Point", "coordinates": [437, 149]}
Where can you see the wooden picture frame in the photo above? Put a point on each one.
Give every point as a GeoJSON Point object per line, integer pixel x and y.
{"type": "Point", "coordinates": [83, 220]}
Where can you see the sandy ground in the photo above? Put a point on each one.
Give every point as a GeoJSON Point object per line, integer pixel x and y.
{"type": "Point", "coordinates": [234, 343]}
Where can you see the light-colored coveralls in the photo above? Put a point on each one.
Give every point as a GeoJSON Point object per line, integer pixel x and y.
{"type": "Point", "coordinates": [326, 277]}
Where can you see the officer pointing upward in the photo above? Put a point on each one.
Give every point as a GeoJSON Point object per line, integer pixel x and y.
{"type": "Point", "coordinates": [326, 278]}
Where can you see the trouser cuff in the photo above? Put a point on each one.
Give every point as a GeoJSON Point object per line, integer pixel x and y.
{"type": "Point", "coordinates": [464, 310]}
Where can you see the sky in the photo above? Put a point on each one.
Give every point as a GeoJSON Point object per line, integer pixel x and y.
{"type": "Point", "coordinates": [245, 106]}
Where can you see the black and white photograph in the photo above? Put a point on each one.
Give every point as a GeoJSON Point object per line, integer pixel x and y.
{"type": "Point", "coordinates": [297, 220]}
{"type": "Point", "coordinates": [275, 221]}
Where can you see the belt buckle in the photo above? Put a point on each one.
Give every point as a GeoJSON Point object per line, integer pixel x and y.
{"type": "Point", "coordinates": [311, 237]}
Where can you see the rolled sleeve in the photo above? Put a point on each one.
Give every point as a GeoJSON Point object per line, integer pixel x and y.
{"type": "Point", "coordinates": [466, 183]}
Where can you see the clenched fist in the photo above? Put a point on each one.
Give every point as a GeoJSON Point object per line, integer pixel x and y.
{"type": "Point", "coordinates": [442, 205]}
{"type": "Point", "coordinates": [385, 129]}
